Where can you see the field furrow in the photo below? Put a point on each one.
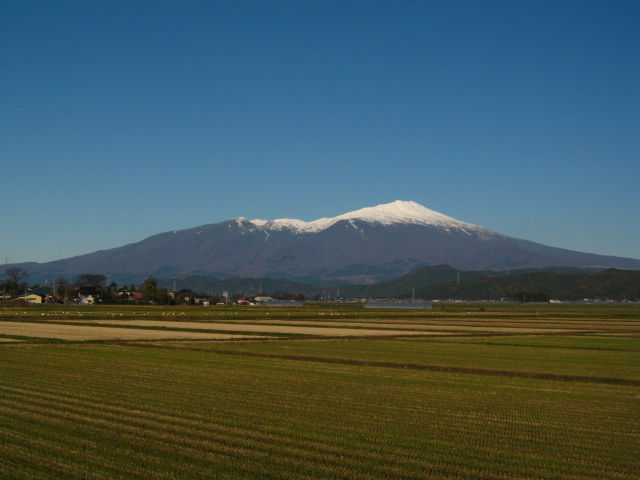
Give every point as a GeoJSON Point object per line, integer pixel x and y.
{"type": "Point", "coordinates": [323, 408]}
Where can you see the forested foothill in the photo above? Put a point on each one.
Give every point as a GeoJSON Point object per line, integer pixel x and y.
{"type": "Point", "coordinates": [438, 283]}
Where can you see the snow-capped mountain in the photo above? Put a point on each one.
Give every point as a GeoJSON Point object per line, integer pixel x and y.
{"type": "Point", "coordinates": [364, 246]}
{"type": "Point", "coordinates": [386, 214]}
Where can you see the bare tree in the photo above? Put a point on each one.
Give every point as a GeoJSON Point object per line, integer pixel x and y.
{"type": "Point", "coordinates": [60, 282]}
{"type": "Point", "coordinates": [60, 287]}
{"type": "Point", "coordinates": [90, 280]}
{"type": "Point", "coordinates": [16, 276]}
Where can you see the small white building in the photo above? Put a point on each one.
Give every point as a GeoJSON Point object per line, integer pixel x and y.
{"type": "Point", "coordinates": [86, 299]}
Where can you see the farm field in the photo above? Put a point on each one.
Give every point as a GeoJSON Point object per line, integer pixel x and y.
{"type": "Point", "coordinates": [82, 332]}
{"type": "Point", "coordinates": [339, 330]}
{"type": "Point", "coordinates": [556, 395]}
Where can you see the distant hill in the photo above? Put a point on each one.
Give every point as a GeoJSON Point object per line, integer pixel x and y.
{"type": "Point", "coordinates": [441, 282]}
{"type": "Point", "coordinates": [610, 284]}
{"type": "Point", "coordinates": [419, 279]}
{"type": "Point", "coordinates": [366, 246]}
{"type": "Point", "coordinates": [445, 282]}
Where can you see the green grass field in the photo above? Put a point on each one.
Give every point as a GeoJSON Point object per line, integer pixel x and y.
{"type": "Point", "coordinates": [469, 405]}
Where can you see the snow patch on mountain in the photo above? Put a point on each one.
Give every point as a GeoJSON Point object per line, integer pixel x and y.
{"type": "Point", "coordinates": [403, 212]}
{"type": "Point", "coordinates": [282, 224]}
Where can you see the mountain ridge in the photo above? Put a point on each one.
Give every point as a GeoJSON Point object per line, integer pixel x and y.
{"type": "Point", "coordinates": [400, 211]}
{"type": "Point", "coordinates": [365, 246]}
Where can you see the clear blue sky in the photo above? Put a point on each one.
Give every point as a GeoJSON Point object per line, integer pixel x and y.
{"type": "Point", "coordinates": [122, 119]}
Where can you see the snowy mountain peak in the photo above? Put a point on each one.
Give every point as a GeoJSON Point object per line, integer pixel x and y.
{"type": "Point", "coordinates": [406, 212]}
{"type": "Point", "coordinates": [398, 212]}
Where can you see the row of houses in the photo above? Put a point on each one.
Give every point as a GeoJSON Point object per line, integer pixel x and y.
{"type": "Point", "coordinates": [89, 296]}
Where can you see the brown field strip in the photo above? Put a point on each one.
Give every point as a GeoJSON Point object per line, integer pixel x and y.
{"type": "Point", "coordinates": [426, 326]}
{"type": "Point", "coordinates": [251, 327]}
{"type": "Point", "coordinates": [84, 333]}
{"type": "Point", "coordinates": [533, 323]}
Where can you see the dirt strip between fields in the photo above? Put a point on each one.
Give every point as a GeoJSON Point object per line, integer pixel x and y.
{"type": "Point", "coordinates": [83, 333]}
{"type": "Point", "coordinates": [251, 327]}
{"type": "Point", "coordinates": [422, 326]}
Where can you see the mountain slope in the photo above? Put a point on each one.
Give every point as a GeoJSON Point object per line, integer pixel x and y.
{"type": "Point", "coordinates": [609, 284]}
{"type": "Point", "coordinates": [365, 246]}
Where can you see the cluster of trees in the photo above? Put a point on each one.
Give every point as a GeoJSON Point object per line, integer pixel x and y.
{"type": "Point", "coordinates": [152, 294]}
{"type": "Point", "coordinates": [95, 286]}
{"type": "Point", "coordinates": [15, 282]}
